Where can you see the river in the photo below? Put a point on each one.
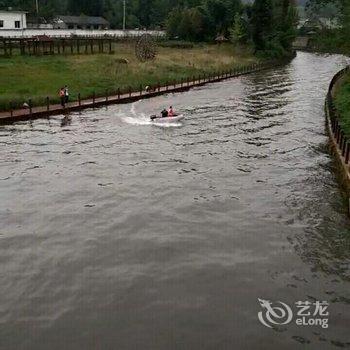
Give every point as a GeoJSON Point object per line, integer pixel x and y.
{"type": "Point", "coordinates": [119, 234]}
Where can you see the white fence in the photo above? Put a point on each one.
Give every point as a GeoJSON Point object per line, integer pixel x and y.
{"type": "Point", "coordinates": [27, 33]}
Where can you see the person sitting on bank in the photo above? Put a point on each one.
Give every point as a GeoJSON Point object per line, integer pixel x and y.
{"type": "Point", "coordinates": [164, 113]}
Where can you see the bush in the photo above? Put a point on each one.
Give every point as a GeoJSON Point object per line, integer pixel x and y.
{"type": "Point", "coordinates": [273, 49]}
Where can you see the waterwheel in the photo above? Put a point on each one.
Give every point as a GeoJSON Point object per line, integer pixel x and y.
{"type": "Point", "coordinates": [146, 48]}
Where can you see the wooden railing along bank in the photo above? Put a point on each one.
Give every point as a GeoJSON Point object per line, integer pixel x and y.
{"type": "Point", "coordinates": [119, 96]}
{"type": "Point", "coordinates": [339, 142]}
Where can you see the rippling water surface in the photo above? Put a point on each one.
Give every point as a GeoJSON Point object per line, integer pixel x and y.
{"type": "Point", "coordinates": [119, 234]}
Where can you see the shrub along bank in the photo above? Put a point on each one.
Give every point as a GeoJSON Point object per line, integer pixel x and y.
{"type": "Point", "coordinates": [342, 104]}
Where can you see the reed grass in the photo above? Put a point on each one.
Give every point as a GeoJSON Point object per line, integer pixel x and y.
{"type": "Point", "coordinates": [36, 78]}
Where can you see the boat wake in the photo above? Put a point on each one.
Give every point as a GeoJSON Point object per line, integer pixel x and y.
{"type": "Point", "coordinates": [139, 118]}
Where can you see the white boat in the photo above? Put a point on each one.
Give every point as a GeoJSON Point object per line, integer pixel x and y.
{"type": "Point", "coordinates": [174, 119]}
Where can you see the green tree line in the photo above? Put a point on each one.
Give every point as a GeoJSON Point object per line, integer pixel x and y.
{"type": "Point", "coordinates": [337, 38]}
{"type": "Point", "coordinates": [267, 25]}
{"type": "Point", "coordinates": [139, 13]}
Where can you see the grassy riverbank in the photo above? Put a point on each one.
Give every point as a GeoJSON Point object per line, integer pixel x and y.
{"type": "Point", "coordinates": [342, 102]}
{"type": "Point", "coordinates": [330, 41]}
{"type": "Point", "coordinates": [35, 78]}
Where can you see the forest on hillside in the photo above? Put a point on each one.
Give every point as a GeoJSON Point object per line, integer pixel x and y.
{"type": "Point", "coordinates": [269, 26]}
{"type": "Point", "coordinates": [139, 13]}
{"type": "Point", "coordinates": [335, 39]}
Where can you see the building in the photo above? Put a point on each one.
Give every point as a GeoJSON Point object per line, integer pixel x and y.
{"type": "Point", "coordinates": [13, 20]}
{"type": "Point", "coordinates": [301, 43]}
{"type": "Point", "coordinates": [330, 23]}
{"type": "Point", "coordinates": [80, 22]}
{"type": "Point", "coordinates": [315, 24]}
{"type": "Point", "coordinates": [38, 23]}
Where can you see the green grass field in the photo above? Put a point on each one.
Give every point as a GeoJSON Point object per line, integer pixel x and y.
{"type": "Point", "coordinates": [28, 77]}
{"type": "Point", "coordinates": [342, 103]}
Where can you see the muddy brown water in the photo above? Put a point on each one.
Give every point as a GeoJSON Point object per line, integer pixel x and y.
{"type": "Point", "coordinates": [120, 234]}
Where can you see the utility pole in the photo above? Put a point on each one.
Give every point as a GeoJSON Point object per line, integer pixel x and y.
{"type": "Point", "coordinates": [124, 11]}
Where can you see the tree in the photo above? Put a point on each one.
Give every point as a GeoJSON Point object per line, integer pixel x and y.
{"type": "Point", "coordinates": [340, 12]}
{"type": "Point", "coordinates": [172, 23]}
{"type": "Point", "coordinates": [220, 14]}
{"type": "Point", "coordinates": [262, 20]}
{"type": "Point", "coordinates": [238, 33]}
{"type": "Point", "coordinates": [196, 28]}
{"type": "Point", "coordinates": [159, 12]}
{"type": "Point", "coordinates": [86, 7]}
{"type": "Point", "coordinates": [345, 30]}
{"type": "Point", "coordinates": [286, 21]}
{"type": "Point", "coordinates": [186, 24]}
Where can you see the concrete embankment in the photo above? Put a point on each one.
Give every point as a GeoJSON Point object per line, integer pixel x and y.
{"type": "Point", "coordinates": [339, 142]}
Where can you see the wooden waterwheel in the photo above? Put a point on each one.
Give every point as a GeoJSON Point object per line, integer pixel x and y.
{"type": "Point", "coordinates": [146, 48]}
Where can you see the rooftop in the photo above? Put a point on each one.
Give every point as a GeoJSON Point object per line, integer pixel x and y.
{"type": "Point", "coordinates": [12, 11]}
{"type": "Point", "coordinates": [82, 20]}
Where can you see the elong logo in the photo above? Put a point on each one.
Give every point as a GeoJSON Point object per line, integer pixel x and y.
{"type": "Point", "coordinates": [274, 315]}
{"type": "Point", "coordinates": [279, 313]}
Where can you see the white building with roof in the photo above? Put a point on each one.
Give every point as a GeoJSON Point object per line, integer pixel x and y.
{"type": "Point", "coordinates": [81, 22]}
{"type": "Point", "coordinates": [13, 20]}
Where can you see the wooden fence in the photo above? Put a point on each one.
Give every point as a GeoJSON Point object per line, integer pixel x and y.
{"type": "Point", "coordinates": [44, 45]}
{"type": "Point", "coordinates": [342, 141]}
{"type": "Point", "coordinates": [129, 94]}
{"type": "Point", "coordinates": [339, 141]}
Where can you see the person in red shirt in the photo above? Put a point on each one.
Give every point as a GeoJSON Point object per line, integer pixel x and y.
{"type": "Point", "coordinates": [171, 112]}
